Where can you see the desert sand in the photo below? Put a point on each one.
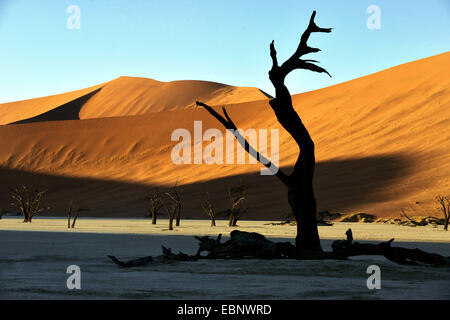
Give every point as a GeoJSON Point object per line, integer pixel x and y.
{"type": "Point", "coordinates": [382, 144]}
{"type": "Point", "coordinates": [38, 269]}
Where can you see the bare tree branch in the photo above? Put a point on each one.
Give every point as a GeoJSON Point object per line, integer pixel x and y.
{"type": "Point", "coordinates": [28, 203]}
{"type": "Point", "coordinates": [229, 124]}
{"type": "Point", "coordinates": [300, 182]}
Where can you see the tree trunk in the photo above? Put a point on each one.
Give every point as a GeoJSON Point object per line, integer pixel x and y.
{"type": "Point", "coordinates": [177, 223]}
{"type": "Point", "coordinates": [68, 216]}
{"type": "Point", "coordinates": [303, 205]}
{"type": "Point", "coordinates": [170, 223]}
{"type": "Point", "coordinates": [74, 221]}
{"type": "Point", "coordinates": [25, 216]}
{"type": "Point", "coordinates": [300, 182]}
{"type": "Point", "coordinates": [213, 222]}
{"type": "Point", "coordinates": [153, 216]}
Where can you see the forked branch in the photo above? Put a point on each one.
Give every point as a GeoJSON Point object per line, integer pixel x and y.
{"type": "Point", "coordinates": [294, 62]}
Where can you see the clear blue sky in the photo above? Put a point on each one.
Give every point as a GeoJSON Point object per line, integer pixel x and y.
{"type": "Point", "coordinates": [222, 41]}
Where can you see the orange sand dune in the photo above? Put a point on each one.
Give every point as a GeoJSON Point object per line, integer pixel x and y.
{"type": "Point", "coordinates": [125, 96]}
{"type": "Point", "coordinates": [382, 144]}
{"type": "Point", "coordinates": [20, 110]}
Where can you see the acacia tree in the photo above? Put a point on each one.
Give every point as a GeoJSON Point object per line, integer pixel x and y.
{"type": "Point", "coordinates": [171, 210]}
{"type": "Point", "coordinates": [173, 206]}
{"type": "Point", "coordinates": [300, 182]}
{"type": "Point", "coordinates": [29, 203]}
{"type": "Point", "coordinates": [236, 197]}
{"type": "Point", "coordinates": [445, 208]}
{"type": "Point", "coordinates": [175, 197]}
{"type": "Point", "coordinates": [208, 207]}
{"type": "Point", "coordinates": [69, 215]}
{"type": "Point", "coordinates": [156, 205]}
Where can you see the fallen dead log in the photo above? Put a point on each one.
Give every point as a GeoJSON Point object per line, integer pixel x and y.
{"type": "Point", "coordinates": [166, 257]}
{"type": "Point", "coordinates": [348, 248]}
{"type": "Point", "coordinates": [245, 244]}
{"type": "Point", "coordinates": [251, 245]}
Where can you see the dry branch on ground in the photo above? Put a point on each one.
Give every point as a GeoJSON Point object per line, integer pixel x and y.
{"type": "Point", "coordinates": [251, 245]}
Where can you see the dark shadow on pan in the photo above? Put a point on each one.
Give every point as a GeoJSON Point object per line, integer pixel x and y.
{"type": "Point", "coordinates": [338, 184]}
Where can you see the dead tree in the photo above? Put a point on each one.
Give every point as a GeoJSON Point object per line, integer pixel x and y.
{"type": "Point", "coordinates": [236, 197]}
{"type": "Point", "coordinates": [208, 207]}
{"type": "Point", "coordinates": [175, 197]}
{"type": "Point", "coordinates": [251, 245]}
{"type": "Point", "coordinates": [445, 208]}
{"type": "Point", "coordinates": [75, 220]}
{"type": "Point", "coordinates": [171, 213]}
{"type": "Point", "coordinates": [156, 205]}
{"type": "Point", "coordinates": [173, 206]}
{"type": "Point", "coordinates": [299, 183]}
{"type": "Point", "coordinates": [69, 214]}
{"type": "Point", "coordinates": [29, 203]}
{"type": "Point", "coordinates": [69, 226]}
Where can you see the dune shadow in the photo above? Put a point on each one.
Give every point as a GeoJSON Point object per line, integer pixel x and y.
{"type": "Point", "coordinates": [339, 184]}
{"type": "Point", "coordinates": [352, 182]}
{"type": "Point", "coordinates": [67, 111]}
{"type": "Point", "coordinates": [266, 94]}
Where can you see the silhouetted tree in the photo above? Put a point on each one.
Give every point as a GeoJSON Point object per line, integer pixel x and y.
{"type": "Point", "coordinates": [236, 197]}
{"type": "Point", "coordinates": [445, 208]}
{"type": "Point", "coordinates": [28, 202]}
{"type": "Point", "coordinates": [155, 205]}
{"type": "Point", "coordinates": [74, 220]}
{"type": "Point", "coordinates": [208, 207]}
{"type": "Point", "coordinates": [300, 182]}
{"type": "Point", "coordinates": [171, 212]}
{"type": "Point", "coordinates": [175, 197]}
{"type": "Point", "coordinates": [69, 213]}
{"type": "Point", "coordinates": [173, 206]}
